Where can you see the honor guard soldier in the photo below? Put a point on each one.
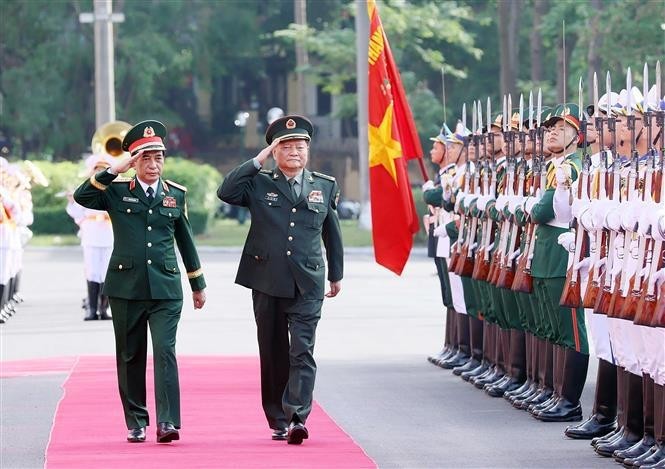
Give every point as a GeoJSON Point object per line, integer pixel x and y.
{"type": "Point", "coordinates": [96, 234]}
{"type": "Point", "coordinates": [143, 280]}
{"type": "Point", "coordinates": [292, 211]}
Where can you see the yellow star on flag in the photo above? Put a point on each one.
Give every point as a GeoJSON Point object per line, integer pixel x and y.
{"type": "Point", "coordinates": [383, 149]}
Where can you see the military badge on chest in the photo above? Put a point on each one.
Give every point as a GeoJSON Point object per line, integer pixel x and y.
{"type": "Point", "coordinates": [169, 202]}
{"type": "Point", "coordinates": [315, 197]}
{"type": "Point", "coordinates": [271, 197]}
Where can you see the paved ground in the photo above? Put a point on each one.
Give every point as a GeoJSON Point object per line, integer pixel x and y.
{"type": "Point", "coordinates": [373, 377]}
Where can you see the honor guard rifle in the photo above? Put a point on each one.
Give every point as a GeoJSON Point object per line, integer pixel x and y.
{"type": "Point", "coordinates": [597, 247]}
{"type": "Point", "coordinates": [456, 253]}
{"type": "Point", "coordinates": [571, 294]}
{"type": "Point", "coordinates": [602, 305]}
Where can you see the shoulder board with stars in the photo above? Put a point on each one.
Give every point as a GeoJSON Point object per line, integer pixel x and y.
{"type": "Point", "coordinates": [123, 179]}
{"type": "Point", "coordinates": [176, 185]}
{"type": "Point", "coordinates": [324, 176]}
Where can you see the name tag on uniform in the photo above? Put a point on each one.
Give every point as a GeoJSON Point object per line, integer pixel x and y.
{"type": "Point", "coordinates": [169, 202]}
{"type": "Point", "coordinates": [271, 196]}
{"type": "Point", "coordinates": [133, 200]}
{"type": "Point", "coordinates": [315, 197]}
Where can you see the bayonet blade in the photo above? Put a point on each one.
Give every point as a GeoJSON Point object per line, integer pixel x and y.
{"type": "Point", "coordinates": [521, 125]}
{"type": "Point", "coordinates": [488, 116]}
{"type": "Point", "coordinates": [509, 113]}
{"type": "Point", "coordinates": [530, 108]}
{"type": "Point", "coordinates": [645, 86]}
{"type": "Point", "coordinates": [503, 115]}
{"type": "Point", "coordinates": [539, 109]}
{"type": "Point", "coordinates": [608, 90]}
{"type": "Point", "coordinates": [464, 117]}
{"type": "Point", "coordinates": [659, 96]}
{"type": "Point", "coordinates": [595, 95]}
{"type": "Point", "coordinates": [629, 91]}
{"type": "Point", "coordinates": [473, 119]}
{"type": "Point", "coordinates": [480, 117]}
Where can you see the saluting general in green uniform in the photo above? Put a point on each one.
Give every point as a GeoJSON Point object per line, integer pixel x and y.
{"type": "Point", "coordinates": [292, 210]}
{"type": "Point", "coordinates": [143, 278]}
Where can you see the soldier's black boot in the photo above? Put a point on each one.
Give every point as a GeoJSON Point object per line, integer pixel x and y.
{"type": "Point", "coordinates": [3, 318]}
{"type": "Point", "coordinates": [621, 415]}
{"type": "Point", "coordinates": [603, 419]}
{"type": "Point", "coordinates": [634, 426]}
{"type": "Point", "coordinates": [545, 375]}
{"type": "Point", "coordinates": [10, 304]}
{"type": "Point", "coordinates": [528, 382]}
{"type": "Point", "coordinates": [476, 347]}
{"type": "Point", "coordinates": [464, 349]}
{"type": "Point", "coordinates": [568, 408]}
{"type": "Point", "coordinates": [103, 303]}
{"type": "Point", "coordinates": [516, 365]}
{"type": "Point", "coordinates": [93, 299]}
{"type": "Point", "coordinates": [447, 347]}
{"type": "Point", "coordinates": [656, 455]}
{"type": "Point", "coordinates": [648, 440]}
{"type": "Point", "coordinates": [17, 283]}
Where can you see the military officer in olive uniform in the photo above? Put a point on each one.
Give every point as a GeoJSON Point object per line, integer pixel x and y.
{"type": "Point", "coordinates": [292, 210]}
{"type": "Point", "coordinates": [143, 278]}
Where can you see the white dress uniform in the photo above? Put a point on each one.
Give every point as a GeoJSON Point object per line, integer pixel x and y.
{"type": "Point", "coordinates": [96, 234]}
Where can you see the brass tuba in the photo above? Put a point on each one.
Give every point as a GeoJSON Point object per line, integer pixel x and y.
{"type": "Point", "coordinates": [108, 138]}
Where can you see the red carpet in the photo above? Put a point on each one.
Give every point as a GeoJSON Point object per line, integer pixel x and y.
{"type": "Point", "coordinates": [223, 424]}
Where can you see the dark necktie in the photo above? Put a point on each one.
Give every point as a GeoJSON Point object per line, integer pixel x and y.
{"type": "Point", "coordinates": [151, 194]}
{"type": "Point", "coordinates": [294, 193]}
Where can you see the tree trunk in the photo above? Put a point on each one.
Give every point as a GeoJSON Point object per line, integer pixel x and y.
{"type": "Point", "coordinates": [593, 58]}
{"type": "Point", "coordinates": [509, 13]}
{"type": "Point", "coordinates": [536, 41]}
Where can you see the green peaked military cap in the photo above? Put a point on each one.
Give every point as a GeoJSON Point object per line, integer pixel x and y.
{"type": "Point", "coordinates": [290, 127]}
{"type": "Point", "coordinates": [569, 112]}
{"type": "Point", "coordinates": [146, 135]}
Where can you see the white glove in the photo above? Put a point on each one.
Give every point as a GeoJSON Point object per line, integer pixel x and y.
{"type": "Point", "coordinates": [429, 185]}
{"type": "Point", "coordinates": [567, 241]}
{"type": "Point", "coordinates": [440, 231]}
{"type": "Point", "coordinates": [530, 203]}
{"type": "Point", "coordinates": [585, 219]}
{"type": "Point", "coordinates": [583, 267]}
{"type": "Point", "coordinates": [563, 176]}
{"type": "Point", "coordinates": [659, 277]}
{"type": "Point", "coordinates": [630, 214]}
{"type": "Point", "coordinates": [468, 200]}
{"type": "Point", "coordinates": [514, 202]}
{"type": "Point", "coordinates": [514, 255]}
{"type": "Point", "coordinates": [501, 202]}
{"type": "Point", "coordinates": [578, 206]}
{"type": "Point", "coordinates": [458, 200]}
{"type": "Point", "coordinates": [644, 222]}
{"type": "Point", "coordinates": [482, 202]}
{"type": "Point", "coordinates": [600, 209]}
{"type": "Point", "coordinates": [613, 219]}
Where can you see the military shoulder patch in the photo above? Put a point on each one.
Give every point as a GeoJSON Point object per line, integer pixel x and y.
{"type": "Point", "coordinates": [123, 179]}
{"type": "Point", "coordinates": [324, 176]}
{"type": "Point", "coordinates": [176, 185]}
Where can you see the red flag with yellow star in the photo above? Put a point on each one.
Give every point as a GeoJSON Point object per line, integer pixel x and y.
{"type": "Point", "coordinates": [392, 140]}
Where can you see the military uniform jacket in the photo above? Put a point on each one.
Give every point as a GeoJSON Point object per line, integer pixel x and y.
{"type": "Point", "coordinates": [550, 259]}
{"type": "Point", "coordinates": [283, 247]}
{"type": "Point", "coordinates": [143, 264]}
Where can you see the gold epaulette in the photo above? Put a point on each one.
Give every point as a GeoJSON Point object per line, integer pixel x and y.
{"type": "Point", "coordinates": [324, 176]}
{"type": "Point", "coordinates": [176, 185]}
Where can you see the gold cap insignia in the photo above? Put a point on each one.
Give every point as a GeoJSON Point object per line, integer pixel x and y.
{"type": "Point", "coordinates": [148, 132]}
{"type": "Point", "coordinates": [290, 124]}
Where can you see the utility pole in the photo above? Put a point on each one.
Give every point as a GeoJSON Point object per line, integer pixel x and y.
{"type": "Point", "coordinates": [362, 71]}
{"type": "Point", "coordinates": [103, 19]}
{"type": "Point", "coordinates": [300, 13]}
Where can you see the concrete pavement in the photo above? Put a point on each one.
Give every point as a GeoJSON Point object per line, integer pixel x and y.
{"type": "Point", "coordinates": [373, 377]}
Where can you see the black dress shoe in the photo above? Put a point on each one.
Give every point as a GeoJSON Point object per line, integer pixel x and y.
{"type": "Point", "coordinates": [479, 370]}
{"type": "Point", "coordinates": [517, 399]}
{"type": "Point", "coordinates": [526, 385]}
{"type": "Point", "coordinates": [475, 377]}
{"type": "Point", "coordinates": [637, 462]}
{"type": "Point", "coordinates": [627, 440]}
{"type": "Point", "coordinates": [562, 411]}
{"type": "Point", "coordinates": [635, 451]}
{"type": "Point", "coordinates": [471, 364]}
{"type": "Point", "coordinates": [655, 459]}
{"type": "Point", "coordinates": [297, 432]}
{"type": "Point", "coordinates": [280, 434]}
{"type": "Point", "coordinates": [609, 437]}
{"type": "Point", "coordinates": [459, 359]}
{"type": "Point", "coordinates": [136, 435]}
{"type": "Point", "coordinates": [591, 428]}
{"type": "Point", "coordinates": [166, 433]}
{"type": "Point", "coordinates": [544, 405]}
{"type": "Point", "coordinates": [500, 389]}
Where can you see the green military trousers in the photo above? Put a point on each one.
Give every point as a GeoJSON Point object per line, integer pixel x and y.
{"type": "Point", "coordinates": [567, 327]}
{"type": "Point", "coordinates": [131, 319]}
{"type": "Point", "coordinates": [286, 329]}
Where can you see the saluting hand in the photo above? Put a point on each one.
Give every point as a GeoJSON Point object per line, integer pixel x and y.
{"type": "Point", "coordinates": [199, 298]}
{"type": "Point", "coordinates": [125, 163]}
{"type": "Point", "coordinates": [335, 287]}
{"type": "Point", "coordinates": [266, 152]}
